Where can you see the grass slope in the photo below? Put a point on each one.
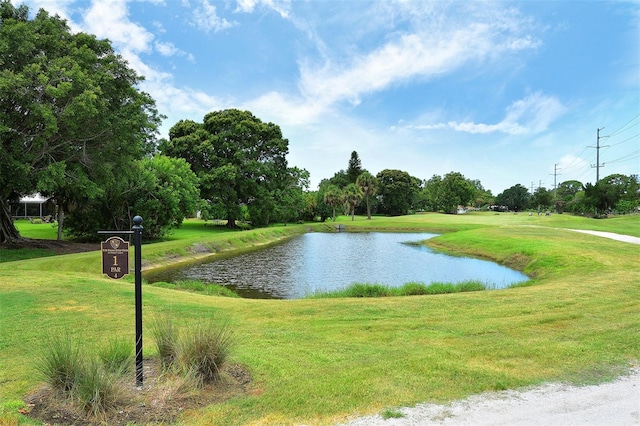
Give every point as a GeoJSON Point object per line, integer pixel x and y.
{"type": "Point", "coordinates": [319, 361]}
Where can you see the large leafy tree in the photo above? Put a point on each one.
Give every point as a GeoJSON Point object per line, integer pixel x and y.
{"type": "Point", "coordinates": [608, 192]}
{"type": "Point", "coordinates": [456, 190]}
{"type": "Point", "coordinates": [239, 159]}
{"type": "Point", "coordinates": [448, 192]}
{"type": "Point", "coordinates": [70, 113]}
{"type": "Point", "coordinates": [162, 190]}
{"type": "Point", "coordinates": [368, 184]}
{"type": "Point", "coordinates": [542, 198]}
{"type": "Point", "coordinates": [515, 198]}
{"type": "Point", "coordinates": [397, 190]}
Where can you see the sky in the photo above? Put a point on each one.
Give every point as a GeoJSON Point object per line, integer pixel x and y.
{"type": "Point", "coordinates": [502, 92]}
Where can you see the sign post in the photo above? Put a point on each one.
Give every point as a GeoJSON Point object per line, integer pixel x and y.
{"type": "Point", "coordinates": [115, 264]}
{"type": "Point", "coordinates": [137, 243]}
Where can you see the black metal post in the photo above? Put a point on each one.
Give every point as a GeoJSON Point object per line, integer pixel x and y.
{"type": "Point", "coordinates": [137, 243]}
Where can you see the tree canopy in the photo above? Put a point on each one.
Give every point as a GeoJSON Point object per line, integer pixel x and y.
{"type": "Point", "coordinates": [70, 113]}
{"type": "Point", "coordinates": [239, 160]}
{"type": "Point", "coordinates": [397, 190]}
{"type": "Point", "coordinates": [515, 198]}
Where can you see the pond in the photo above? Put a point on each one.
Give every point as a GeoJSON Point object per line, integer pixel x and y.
{"type": "Point", "coordinates": [318, 262]}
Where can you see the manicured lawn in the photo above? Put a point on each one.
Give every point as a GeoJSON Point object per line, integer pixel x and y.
{"type": "Point", "coordinates": [319, 361]}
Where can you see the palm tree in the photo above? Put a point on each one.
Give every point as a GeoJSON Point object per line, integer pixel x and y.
{"type": "Point", "coordinates": [352, 197]}
{"type": "Point", "coordinates": [333, 198]}
{"type": "Point", "coordinates": [368, 184]}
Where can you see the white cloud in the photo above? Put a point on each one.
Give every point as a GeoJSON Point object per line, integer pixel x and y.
{"type": "Point", "coordinates": [205, 17]}
{"type": "Point", "coordinates": [531, 115]}
{"type": "Point", "coordinates": [109, 19]}
{"type": "Point", "coordinates": [431, 44]}
{"type": "Point", "coordinates": [248, 6]}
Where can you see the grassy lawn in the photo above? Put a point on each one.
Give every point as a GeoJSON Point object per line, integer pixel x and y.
{"type": "Point", "coordinates": [319, 361]}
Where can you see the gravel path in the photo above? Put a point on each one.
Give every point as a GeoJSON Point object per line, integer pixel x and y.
{"type": "Point", "coordinates": [615, 403]}
{"type": "Point", "coordinates": [611, 235]}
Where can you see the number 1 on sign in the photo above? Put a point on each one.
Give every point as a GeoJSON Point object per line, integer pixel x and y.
{"type": "Point", "coordinates": [115, 260]}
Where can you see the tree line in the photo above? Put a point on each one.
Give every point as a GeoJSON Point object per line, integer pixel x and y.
{"type": "Point", "coordinates": [75, 127]}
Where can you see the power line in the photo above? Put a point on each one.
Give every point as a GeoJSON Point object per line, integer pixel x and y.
{"type": "Point", "coordinates": [621, 128]}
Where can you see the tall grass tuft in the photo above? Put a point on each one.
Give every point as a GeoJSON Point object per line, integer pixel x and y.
{"type": "Point", "coordinates": [117, 355]}
{"type": "Point", "coordinates": [60, 363]}
{"type": "Point", "coordinates": [203, 350]}
{"type": "Point", "coordinates": [165, 334]}
{"type": "Point", "coordinates": [97, 390]}
{"type": "Point", "coordinates": [87, 380]}
{"type": "Point", "coordinates": [408, 289]}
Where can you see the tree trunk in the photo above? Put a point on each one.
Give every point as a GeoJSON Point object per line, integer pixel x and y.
{"type": "Point", "coordinates": [368, 209]}
{"type": "Point", "coordinates": [8, 231]}
{"type": "Point", "coordinates": [231, 222]}
{"type": "Point", "coordinates": [60, 219]}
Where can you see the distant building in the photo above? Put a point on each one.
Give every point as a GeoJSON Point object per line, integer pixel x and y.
{"type": "Point", "coordinates": [32, 206]}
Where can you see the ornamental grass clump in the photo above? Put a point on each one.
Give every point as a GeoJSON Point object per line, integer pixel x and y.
{"type": "Point", "coordinates": [98, 390]}
{"type": "Point", "coordinates": [93, 383]}
{"type": "Point", "coordinates": [165, 334]}
{"type": "Point", "coordinates": [60, 364]}
{"type": "Point", "coordinates": [117, 355]}
{"type": "Point", "coordinates": [203, 350]}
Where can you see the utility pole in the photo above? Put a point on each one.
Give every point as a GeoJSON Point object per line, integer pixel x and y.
{"type": "Point", "coordinates": [597, 147]}
{"type": "Point", "coordinates": [555, 182]}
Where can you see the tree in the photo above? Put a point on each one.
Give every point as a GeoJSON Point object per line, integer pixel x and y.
{"type": "Point", "coordinates": [339, 179]}
{"type": "Point", "coordinates": [430, 193]}
{"type": "Point", "coordinates": [568, 188]}
{"type": "Point", "coordinates": [609, 191]}
{"type": "Point", "coordinates": [70, 113]}
{"type": "Point", "coordinates": [542, 198]}
{"type": "Point", "coordinates": [482, 197]}
{"type": "Point", "coordinates": [515, 198]}
{"type": "Point", "coordinates": [368, 184]}
{"type": "Point", "coordinates": [397, 191]}
{"type": "Point", "coordinates": [239, 160]}
{"type": "Point", "coordinates": [455, 190]}
{"type": "Point", "coordinates": [352, 196]}
{"type": "Point", "coordinates": [290, 201]}
{"type": "Point", "coordinates": [333, 197]}
{"type": "Point", "coordinates": [354, 168]}
{"type": "Point", "coordinates": [162, 190]}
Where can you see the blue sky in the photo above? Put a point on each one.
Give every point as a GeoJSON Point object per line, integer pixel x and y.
{"type": "Point", "coordinates": [503, 92]}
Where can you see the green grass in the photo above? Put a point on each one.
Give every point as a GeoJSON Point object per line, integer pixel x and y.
{"type": "Point", "coordinates": [318, 361]}
{"type": "Point", "coordinates": [408, 289]}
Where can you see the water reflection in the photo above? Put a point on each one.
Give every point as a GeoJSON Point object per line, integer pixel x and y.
{"type": "Point", "coordinates": [317, 262]}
